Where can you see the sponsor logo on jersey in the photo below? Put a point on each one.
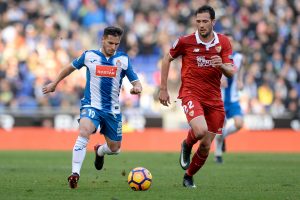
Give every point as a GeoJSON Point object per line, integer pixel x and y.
{"type": "Point", "coordinates": [202, 62]}
{"type": "Point", "coordinates": [106, 71]}
{"type": "Point", "coordinates": [218, 49]}
{"type": "Point", "coordinates": [196, 50]}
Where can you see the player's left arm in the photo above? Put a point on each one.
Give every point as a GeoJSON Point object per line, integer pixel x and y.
{"type": "Point", "coordinates": [227, 68]}
{"type": "Point", "coordinates": [134, 80]}
{"type": "Point", "coordinates": [224, 61]}
{"type": "Point", "coordinates": [137, 87]}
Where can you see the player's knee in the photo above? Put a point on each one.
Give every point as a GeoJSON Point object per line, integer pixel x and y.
{"type": "Point", "coordinates": [205, 146]}
{"type": "Point", "coordinates": [200, 132]}
{"type": "Point", "coordinates": [116, 152]}
{"type": "Point", "coordinates": [85, 131]}
{"type": "Point", "coordinates": [115, 149]}
{"type": "Point", "coordinates": [239, 123]}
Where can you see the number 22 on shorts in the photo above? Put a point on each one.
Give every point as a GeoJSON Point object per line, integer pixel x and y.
{"type": "Point", "coordinates": [187, 108]}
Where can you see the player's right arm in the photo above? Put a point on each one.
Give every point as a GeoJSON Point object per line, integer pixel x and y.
{"type": "Point", "coordinates": [63, 73]}
{"type": "Point", "coordinates": [78, 63]}
{"type": "Point", "coordinates": [164, 97]}
{"type": "Point", "coordinates": [175, 51]}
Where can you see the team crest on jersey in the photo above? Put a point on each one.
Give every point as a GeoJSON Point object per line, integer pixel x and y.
{"type": "Point", "coordinates": [218, 49]}
{"type": "Point", "coordinates": [118, 63]}
{"type": "Point", "coordinates": [106, 71]}
{"type": "Point", "coordinates": [191, 113]}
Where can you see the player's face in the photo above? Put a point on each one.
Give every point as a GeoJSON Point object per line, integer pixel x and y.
{"type": "Point", "coordinates": [110, 44]}
{"type": "Point", "coordinates": [204, 24]}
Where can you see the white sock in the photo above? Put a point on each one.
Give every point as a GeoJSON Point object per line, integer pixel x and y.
{"type": "Point", "coordinates": [229, 128]}
{"type": "Point", "coordinates": [104, 149]}
{"type": "Point", "coordinates": [218, 145]}
{"type": "Point", "coordinates": [79, 152]}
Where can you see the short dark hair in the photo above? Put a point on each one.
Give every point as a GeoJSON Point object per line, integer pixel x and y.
{"type": "Point", "coordinates": [112, 30]}
{"type": "Point", "coordinates": [208, 9]}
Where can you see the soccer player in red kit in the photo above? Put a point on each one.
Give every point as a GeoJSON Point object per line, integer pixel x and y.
{"type": "Point", "coordinates": [206, 55]}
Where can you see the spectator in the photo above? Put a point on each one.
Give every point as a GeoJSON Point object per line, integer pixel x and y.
{"type": "Point", "coordinates": [38, 37]}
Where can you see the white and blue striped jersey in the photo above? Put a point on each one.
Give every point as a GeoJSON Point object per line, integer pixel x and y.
{"type": "Point", "coordinates": [104, 79]}
{"type": "Point", "coordinates": [231, 92]}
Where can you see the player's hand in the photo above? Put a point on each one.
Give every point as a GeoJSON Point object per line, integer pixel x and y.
{"type": "Point", "coordinates": [224, 83]}
{"type": "Point", "coordinates": [240, 85]}
{"type": "Point", "coordinates": [136, 90]}
{"type": "Point", "coordinates": [216, 61]}
{"type": "Point", "coordinates": [164, 97]}
{"type": "Point", "coordinates": [49, 88]}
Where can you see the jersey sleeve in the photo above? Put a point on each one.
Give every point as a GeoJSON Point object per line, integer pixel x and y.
{"type": "Point", "coordinates": [177, 48]}
{"type": "Point", "coordinates": [131, 75]}
{"type": "Point", "coordinates": [226, 53]}
{"type": "Point", "coordinates": [78, 63]}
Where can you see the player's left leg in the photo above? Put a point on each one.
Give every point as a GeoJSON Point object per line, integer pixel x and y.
{"type": "Point", "coordinates": [235, 119]}
{"type": "Point", "coordinates": [233, 124]}
{"type": "Point", "coordinates": [112, 130]}
{"type": "Point", "coordinates": [214, 120]}
{"type": "Point", "coordinates": [198, 159]}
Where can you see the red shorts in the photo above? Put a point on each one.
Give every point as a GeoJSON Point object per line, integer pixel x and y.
{"type": "Point", "coordinates": [213, 111]}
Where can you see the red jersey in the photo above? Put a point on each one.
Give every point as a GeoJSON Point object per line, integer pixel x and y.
{"type": "Point", "coordinates": [199, 78]}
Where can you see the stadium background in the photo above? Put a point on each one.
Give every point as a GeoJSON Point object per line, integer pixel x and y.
{"type": "Point", "coordinates": [38, 38]}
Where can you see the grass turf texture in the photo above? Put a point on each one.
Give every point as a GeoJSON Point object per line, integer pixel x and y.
{"type": "Point", "coordinates": [43, 175]}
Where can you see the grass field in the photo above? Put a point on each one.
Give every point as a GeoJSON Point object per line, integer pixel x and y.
{"type": "Point", "coordinates": [43, 175]}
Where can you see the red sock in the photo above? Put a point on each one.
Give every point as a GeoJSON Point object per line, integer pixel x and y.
{"type": "Point", "coordinates": [191, 139]}
{"type": "Point", "coordinates": [198, 161]}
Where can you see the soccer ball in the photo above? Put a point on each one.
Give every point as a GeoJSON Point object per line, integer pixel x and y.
{"type": "Point", "coordinates": [139, 178]}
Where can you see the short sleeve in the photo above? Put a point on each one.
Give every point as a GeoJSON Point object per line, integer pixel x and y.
{"type": "Point", "coordinates": [177, 48]}
{"type": "Point", "coordinates": [226, 53]}
{"type": "Point", "coordinates": [131, 75]}
{"type": "Point", "coordinates": [79, 62]}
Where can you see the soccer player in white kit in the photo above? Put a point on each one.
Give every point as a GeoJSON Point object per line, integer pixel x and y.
{"type": "Point", "coordinates": [100, 106]}
{"type": "Point", "coordinates": [230, 95]}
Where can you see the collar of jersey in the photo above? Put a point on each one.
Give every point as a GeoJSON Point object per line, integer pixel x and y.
{"type": "Point", "coordinates": [212, 43]}
{"type": "Point", "coordinates": [105, 56]}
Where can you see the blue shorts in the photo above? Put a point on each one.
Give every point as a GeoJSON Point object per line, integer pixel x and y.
{"type": "Point", "coordinates": [110, 124]}
{"type": "Point", "coordinates": [233, 109]}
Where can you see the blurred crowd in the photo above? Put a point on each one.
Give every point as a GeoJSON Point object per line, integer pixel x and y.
{"type": "Point", "coordinates": [39, 37]}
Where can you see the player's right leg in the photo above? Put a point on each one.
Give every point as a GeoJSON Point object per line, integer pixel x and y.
{"type": "Point", "coordinates": [194, 112]}
{"type": "Point", "coordinates": [87, 126]}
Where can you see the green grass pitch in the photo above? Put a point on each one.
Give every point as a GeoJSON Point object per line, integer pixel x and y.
{"type": "Point", "coordinates": [43, 175]}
